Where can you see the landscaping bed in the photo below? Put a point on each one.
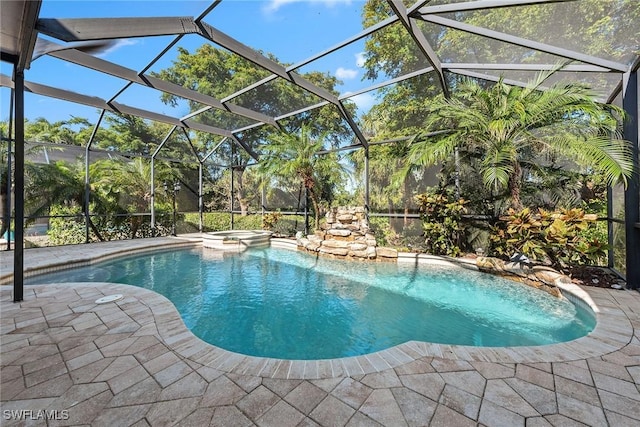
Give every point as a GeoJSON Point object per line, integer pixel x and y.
{"type": "Point", "coordinates": [594, 276]}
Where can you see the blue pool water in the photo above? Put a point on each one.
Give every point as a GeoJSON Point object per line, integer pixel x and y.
{"type": "Point", "coordinates": [286, 304]}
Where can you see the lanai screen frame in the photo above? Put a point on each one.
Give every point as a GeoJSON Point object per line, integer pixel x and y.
{"type": "Point", "coordinates": [100, 29]}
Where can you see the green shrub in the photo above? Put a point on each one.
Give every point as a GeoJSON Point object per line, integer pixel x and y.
{"type": "Point", "coordinates": [409, 239]}
{"type": "Point", "coordinates": [247, 222]}
{"type": "Point", "coordinates": [559, 238]}
{"type": "Point", "coordinates": [441, 213]}
{"type": "Point", "coordinates": [68, 230]}
{"type": "Point", "coordinates": [412, 238]}
{"type": "Point", "coordinates": [286, 225]}
{"type": "Point", "coordinates": [219, 221]}
{"type": "Point", "coordinates": [381, 228]}
{"type": "Point", "coordinates": [212, 221]}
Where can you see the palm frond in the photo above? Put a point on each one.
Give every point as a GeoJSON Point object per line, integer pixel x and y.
{"type": "Point", "coordinates": [497, 167]}
{"type": "Point", "coordinates": [612, 157]}
{"type": "Point", "coordinates": [431, 151]}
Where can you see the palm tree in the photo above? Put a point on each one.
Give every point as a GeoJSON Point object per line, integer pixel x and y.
{"type": "Point", "coordinates": [290, 156]}
{"type": "Point", "coordinates": [60, 132]}
{"type": "Point", "coordinates": [128, 184]}
{"type": "Point", "coordinates": [54, 184]}
{"type": "Point", "coordinates": [385, 186]}
{"type": "Point", "coordinates": [509, 127]}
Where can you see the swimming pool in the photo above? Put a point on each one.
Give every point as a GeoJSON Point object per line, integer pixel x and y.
{"type": "Point", "coordinates": [290, 305]}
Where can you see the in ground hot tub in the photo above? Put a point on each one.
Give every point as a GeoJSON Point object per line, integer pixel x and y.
{"type": "Point", "coordinates": [235, 240]}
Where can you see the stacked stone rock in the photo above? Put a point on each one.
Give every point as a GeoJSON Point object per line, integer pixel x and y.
{"type": "Point", "coordinates": [346, 234]}
{"type": "Point", "coordinates": [538, 276]}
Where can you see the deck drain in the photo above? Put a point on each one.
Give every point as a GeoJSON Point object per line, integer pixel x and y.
{"type": "Point", "coordinates": [109, 298]}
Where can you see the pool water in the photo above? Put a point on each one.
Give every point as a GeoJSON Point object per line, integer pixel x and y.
{"type": "Point", "coordinates": [290, 305]}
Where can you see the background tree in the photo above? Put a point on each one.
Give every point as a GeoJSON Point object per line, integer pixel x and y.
{"type": "Point", "coordinates": [127, 185]}
{"type": "Point", "coordinates": [557, 24]}
{"type": "Point", "coordinates": [385, 191]}
{"type": "Point", "coordinates": [400, 109]}
{"type": "Point", "coordinates": [510, 128]}
{"type": "Point", "coordinates": [391, 53]}
{"type": "Point", "coordinates": [296, 157]}
{"type": "Point", "coordinates": [65, 181]}
{"type": "Point", "coordinates": [61, 132]}
{"type": "Point", "coordinates": [129, 134]}
{"type": "Point", "coordinates": [219, 73]}
{"type": "Point", "coordinates": [65, 188]}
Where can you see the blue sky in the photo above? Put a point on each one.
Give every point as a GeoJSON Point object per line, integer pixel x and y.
{"type": "Point", "coordinates": [292, 30]}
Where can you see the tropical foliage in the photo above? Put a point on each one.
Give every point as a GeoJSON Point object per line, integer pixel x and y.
{"type": "Point", "coordinates": [285, 225]}
{"type": "Point", "coordinates": [586, 26]}
{"type": "Point", "coordinates": [558, 238]}
{"type": "Point", "coordinates": [74, 131]}
{"type": "Point", "coordinates": [514, 133]}
{"type": "Point", "coordinates": [126, 185]}
{"type": "Point", "coordinates": [66, 227]}
{"type": "Point", "coordinates": [65, 193]}
{"type": "Point", "coordinates": [401, 108]}
{"type": "Point", "coordinates": [444, 229]}
{"type": "Point", "coordinates": [270, 220]}
{"type": "Point", "coordinates": [291, 157]}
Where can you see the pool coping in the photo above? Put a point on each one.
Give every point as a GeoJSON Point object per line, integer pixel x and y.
{"type": "Point", "coordinates": [71, 256]}
{"type": "Point", "coordinates": [612, 332]}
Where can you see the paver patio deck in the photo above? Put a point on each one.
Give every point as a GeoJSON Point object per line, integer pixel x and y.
{"type": "Point", "coordinates": [133, 362]}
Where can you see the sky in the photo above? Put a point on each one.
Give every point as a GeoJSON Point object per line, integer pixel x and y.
{"type": "Point", "coordinates": [292, 30]}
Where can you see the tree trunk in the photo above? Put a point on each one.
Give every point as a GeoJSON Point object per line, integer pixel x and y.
{"type": "Point", "coordinates": [316, 208]}
{"type": "Point", "coordinates": [91, 224]}
{"type": "Point", "coordinates": [406, 203]}
{"type": "Point", "coordinates": [515, 185]}
{"type": "Point", "coordinates": [241, 194]}
{"type": "Point", "coordinates": [135, 225]}
{"type": "Point", "coordinates": [95, 230]}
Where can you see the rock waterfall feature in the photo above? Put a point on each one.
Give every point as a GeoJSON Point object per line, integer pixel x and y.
{"type": "Point", "coordinates": [346, 234]}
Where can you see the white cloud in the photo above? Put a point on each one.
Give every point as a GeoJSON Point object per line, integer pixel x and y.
{"type": "Point", "coordinates": [117, 45]}
{"type": "Point", "coordinates": [331, 3]}
{"type": "Point", "coordinates": [364, 101]}
{"type": "Point", "coordinates": [360, 59]}
{"type": "Point", "coordinates": [274, 5]}
{"type": "Point", "coordinates": [346, 74]}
